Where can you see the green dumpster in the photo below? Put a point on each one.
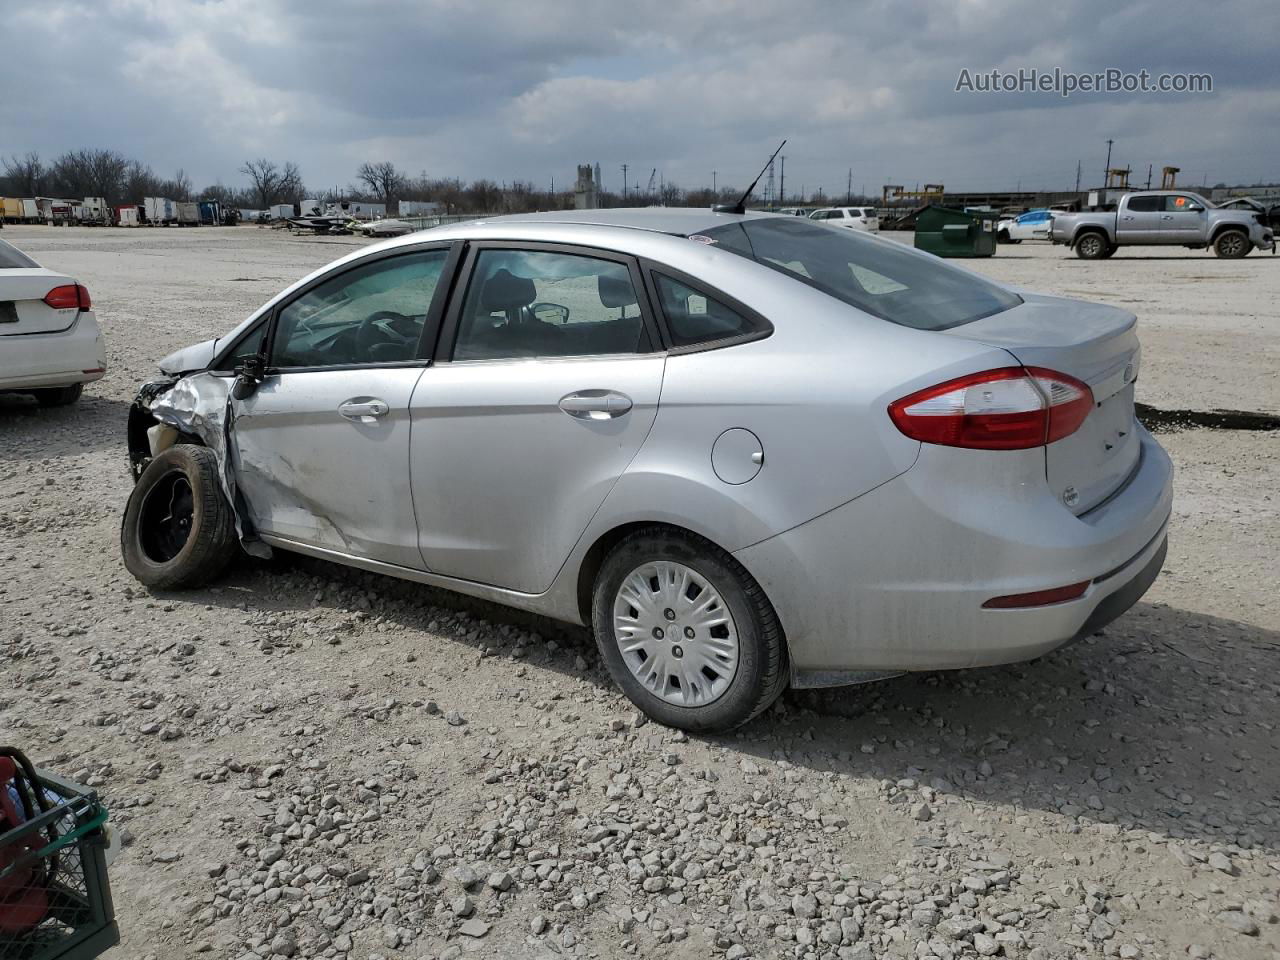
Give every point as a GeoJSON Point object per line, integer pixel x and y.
{"type": "Point", "coordinates": [947, 232]}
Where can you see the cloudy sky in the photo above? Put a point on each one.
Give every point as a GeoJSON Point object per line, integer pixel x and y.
{"type": "Point", "coordinates": [526, 89]}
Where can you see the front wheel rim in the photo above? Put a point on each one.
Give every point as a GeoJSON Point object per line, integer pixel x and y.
{"type": "Point", "coordinates": [676, 634]}
{"type": "Point", "coordinates": [166, 516]}
{"type": "Point", "coordinates": [1231, 245]}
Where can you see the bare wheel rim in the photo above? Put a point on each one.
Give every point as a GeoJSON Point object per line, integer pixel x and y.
{"type": "Point", "coordinates": [676, 633]}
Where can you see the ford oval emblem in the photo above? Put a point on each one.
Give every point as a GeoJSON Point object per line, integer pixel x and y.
{"type": "Point", "coordinates": [1070, 497]}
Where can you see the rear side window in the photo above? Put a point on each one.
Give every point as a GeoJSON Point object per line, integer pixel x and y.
{"type": "Point", "coordinates": [1145, 204]}
{"type": "Point", "coordinates": [879, 277]}
{"type": "Point", "coordinates": [695, 318]}
{"type": "Point", "coordinates": [540, 303]}
{"type": "Point", "coordinates": [11, 258]}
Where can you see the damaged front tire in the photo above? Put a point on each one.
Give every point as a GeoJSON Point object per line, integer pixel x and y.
{"type": "Point", "coordinates": [178, 529]}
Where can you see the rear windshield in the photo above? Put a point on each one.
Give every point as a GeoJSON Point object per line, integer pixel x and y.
{"type": "Point", "coordinates": [877, 276]}
{"type": "Point", "coordinates": [11, 258]}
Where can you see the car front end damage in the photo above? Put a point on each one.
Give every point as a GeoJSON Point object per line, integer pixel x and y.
{"type": "Point", "coordinates": [195, 408]}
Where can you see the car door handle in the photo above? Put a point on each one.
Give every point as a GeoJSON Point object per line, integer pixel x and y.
{"type": "Point", "coordinates": [363, 411]}
{"type": "Point", "coordinates": [1166, 216]}
{"type": "Point", "coordinates": [595, 404]}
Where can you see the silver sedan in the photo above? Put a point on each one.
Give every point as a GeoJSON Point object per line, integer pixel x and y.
{"type": "Point", "coordinates": [747, 452]}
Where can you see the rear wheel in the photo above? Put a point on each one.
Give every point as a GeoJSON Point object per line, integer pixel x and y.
{"type": "Point", "coordinates": [178, 530]}
{"type": "Point", "coordinates": [59, 396]}
{"type": "Point", "coordinates": [686, 632]}
{"type": "Point", "coordinates": [1231, 245]}
{"type": "Point", "coordinates": [1092, 246]}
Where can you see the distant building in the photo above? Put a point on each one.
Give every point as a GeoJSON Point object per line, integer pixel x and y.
{"type": "Point", "coordinates": [586, 195]}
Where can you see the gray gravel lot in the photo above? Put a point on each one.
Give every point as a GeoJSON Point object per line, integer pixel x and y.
{"type": "Point", "coordinates": [311, 762]}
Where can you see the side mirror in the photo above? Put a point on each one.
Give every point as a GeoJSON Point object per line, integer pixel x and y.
{"type": "Point", "coordinates": [248, 375]}
{"type": "Point", "coordinates": [551, 312]}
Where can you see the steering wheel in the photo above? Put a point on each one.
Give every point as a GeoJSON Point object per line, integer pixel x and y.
{"type": "Point", "coordinates": [379, 328]}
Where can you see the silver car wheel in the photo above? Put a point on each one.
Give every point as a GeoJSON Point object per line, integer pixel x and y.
{"type": "Point", "coordinates": [676, 634]}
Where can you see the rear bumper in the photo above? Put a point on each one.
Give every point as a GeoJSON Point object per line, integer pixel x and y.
{"type": "Point", "coordinates": [36, 361]}
{"type": "Point", "coordinates": [896, 579]}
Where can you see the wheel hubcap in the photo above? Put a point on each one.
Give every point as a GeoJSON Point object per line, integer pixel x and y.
{"type": "Point", "coordinates": [675, 633]}
{"type": "Point", "coordinates": [1231, 245]}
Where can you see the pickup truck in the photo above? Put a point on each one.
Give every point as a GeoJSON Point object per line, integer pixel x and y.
{"type": "Point", "coordinates": [1164, 218]}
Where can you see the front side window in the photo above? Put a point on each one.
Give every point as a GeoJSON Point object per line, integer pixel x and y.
{"type": "Point", "coordinates": [694, 318]}
{"type": "Point", "coordinates": [539, 303]}
{"type": "Point", "coordinates": [879, 277]}
{"type": "Point", "coordinates": [249, 347]}
{"type": "Point", "coordinates": [1180, 204]}
{"type": "Point", "coordinates": [369, 314]}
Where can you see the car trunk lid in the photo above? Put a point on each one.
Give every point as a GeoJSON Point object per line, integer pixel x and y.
{"type": "Point", "coordinates": [1098, 345]}
{"type": "Point", "coordinates": [22, 306]}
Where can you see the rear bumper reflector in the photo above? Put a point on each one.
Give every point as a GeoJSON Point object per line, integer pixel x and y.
{"type": "Point", "coordinates": [1038, 598]}
{"type": "Point", "coordinates": [95, 370]}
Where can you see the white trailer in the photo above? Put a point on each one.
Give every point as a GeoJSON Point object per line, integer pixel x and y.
{"type": "Point", "coordinates": [30, 212]}
{"type": "Point", "coordinates": [419, 208]}
{"type": "Point", "coordinates": [282, 211]}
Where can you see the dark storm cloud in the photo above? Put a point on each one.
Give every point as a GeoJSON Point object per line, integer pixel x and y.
{"type": "Point", "coordinates": [524, 89]}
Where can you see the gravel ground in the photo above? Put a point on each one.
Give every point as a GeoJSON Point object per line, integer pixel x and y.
{"type": "Point", "coordinates": [306, 761]}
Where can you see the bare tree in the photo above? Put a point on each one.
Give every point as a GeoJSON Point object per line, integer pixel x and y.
{"type": "Point", "coordinates": [25, 174]}
{"type": "Point", "coordinates": [382, 179]}
{"type": "Point", "coordinates": [291, 189]}
{"type": "Point", "coordinates": [265, 176]}
{"type": "Point", "coordinates": [90, 173]}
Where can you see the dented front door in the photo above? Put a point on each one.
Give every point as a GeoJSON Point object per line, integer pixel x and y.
{"type": "Point", "coordinates": [323, 460]}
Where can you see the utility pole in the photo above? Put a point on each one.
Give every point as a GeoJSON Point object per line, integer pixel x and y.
{"type": "Point", "coordinates": [624, 183]}
{"type": "Point", "coordinates": [1106, 174]}
{"type": "Point", "coordinates": [1077, 176]}
{"type": "Point", "coordinates": [1148, 176]}
{"type": "Point", "coordinates": [782, 178]}
{"type": "Point", "coordinates": [848, 190]}
{"type": "Point", "coordinates": [713, 183]}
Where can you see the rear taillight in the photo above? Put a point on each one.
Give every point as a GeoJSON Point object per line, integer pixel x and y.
{"type": "Point", "coordinates": [68, 296]}
{"type": "Point", "coordinates": [1013, 408]}
{"type": "Point", "coordinates": [1038, 598]}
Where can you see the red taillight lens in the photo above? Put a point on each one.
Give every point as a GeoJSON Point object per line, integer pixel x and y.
{"type": "Point", "coordinates": [1038, 598]}
{"type": "Point", "coordinates": [1012, 408]}
{"type": "Point", "coordinates": [68, 296]}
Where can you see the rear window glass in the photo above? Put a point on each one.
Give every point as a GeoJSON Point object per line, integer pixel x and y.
{"type": "Point", "coordinates": [11, 258]}
{"type": "Point", "coordinates": [879, 277]}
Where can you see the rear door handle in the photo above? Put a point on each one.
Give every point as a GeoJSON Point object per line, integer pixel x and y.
{"type": "Point", "coordinates": [1166, 216]}
{"type": "Point", "coordinates": [595, 404]}
{"type": "Point", "coordinates": [363, 410]}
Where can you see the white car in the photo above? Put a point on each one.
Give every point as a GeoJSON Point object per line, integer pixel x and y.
{"type": "Point", "coordinates": [50, 344]}
{"type": "Point", "coordinates": [1033, 225]}
{"type": "Point", "coordinates": [855, 218]}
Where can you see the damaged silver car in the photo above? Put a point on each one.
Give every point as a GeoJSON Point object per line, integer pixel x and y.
{"type": "Point", "coordinates": [745, 450]}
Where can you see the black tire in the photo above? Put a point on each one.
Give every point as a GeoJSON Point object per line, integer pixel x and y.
{"type": "Point", "coordinates": [178, 529]}
{"type": "Point", "coordinates": [1092, 246]}
{"type": "Point", "coordinates": [762, 669]}
{"type": "Point", "coordinates": [59, 396]}
{"type": "Point", "coordinates": [1111, 252]}
{"type": "Point", "coordinates": [1232, 245]}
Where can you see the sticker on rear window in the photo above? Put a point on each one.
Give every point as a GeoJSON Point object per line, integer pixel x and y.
{"type": "Point", "coordinates": [703, 238]}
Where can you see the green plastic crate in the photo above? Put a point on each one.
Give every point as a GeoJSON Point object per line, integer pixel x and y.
{"type": "Point", "coordinates": [67, 847]}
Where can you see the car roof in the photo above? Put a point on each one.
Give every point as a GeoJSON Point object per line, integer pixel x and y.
{"type": "Point", "coordinates": [680, 221]}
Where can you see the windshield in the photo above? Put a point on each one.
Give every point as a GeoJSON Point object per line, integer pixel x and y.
{"type": "Point", "coordinates": [11, 258]}
{"type": "Point", "coordinates": [879, 277]}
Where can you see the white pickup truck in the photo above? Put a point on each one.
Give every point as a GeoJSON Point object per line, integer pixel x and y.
{"type": "Point", "coordinates": [1163, 218]}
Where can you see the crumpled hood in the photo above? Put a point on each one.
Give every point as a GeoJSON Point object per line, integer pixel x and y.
{"type": "Point", "coordinates": [198, 356]}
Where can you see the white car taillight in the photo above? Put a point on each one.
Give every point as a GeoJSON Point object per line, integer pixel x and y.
{"type": "Point", "coordinates": [1012, 408]}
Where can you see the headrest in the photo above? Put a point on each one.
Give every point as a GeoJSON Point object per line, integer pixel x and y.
{"type": "Point", "coordinates": [615, 291]}
{"type": "Point", "coordinates": [505, 291]}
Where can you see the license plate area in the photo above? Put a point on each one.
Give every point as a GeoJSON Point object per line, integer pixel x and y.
{"type": "Point", "coordinates": [8, 311]}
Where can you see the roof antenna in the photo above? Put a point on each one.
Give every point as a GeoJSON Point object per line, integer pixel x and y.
{"type": "Point", "coordinates": [740, 206]}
